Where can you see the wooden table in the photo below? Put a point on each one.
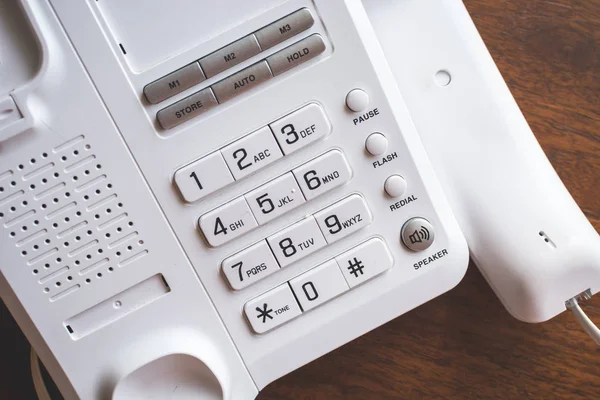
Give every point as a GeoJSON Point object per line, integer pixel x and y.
{"type": "Point", "coordinates": [464, 345]}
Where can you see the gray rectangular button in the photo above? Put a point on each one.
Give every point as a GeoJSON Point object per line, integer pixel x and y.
{"type": "Point", "coordinates": [187, 108]}
{"type": "Point", "coordinates": [230, 55]}
{"type": "Point", "coordinates": [284, 28]}
{"type": "Point", "coordinates": [296, 54]}
{"type": "Point", "coordinates": [175, 82]}
{"type": "Point", "coordinates": [244, 80]}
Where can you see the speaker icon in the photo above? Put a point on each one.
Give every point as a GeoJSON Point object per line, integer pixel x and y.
{"type": "Point", "coordinates": [421, 234]}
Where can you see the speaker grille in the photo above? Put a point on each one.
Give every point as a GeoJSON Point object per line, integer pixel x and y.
{"type": "Point", "coordinates": [65, 219]}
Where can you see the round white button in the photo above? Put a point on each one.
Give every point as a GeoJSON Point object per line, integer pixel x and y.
{"type": "Point", "coordinates": [357, 100]}
{"type": "Point", "coordinates": [376, 144]}
{"type": "Point", "coordinates": [395, 186]}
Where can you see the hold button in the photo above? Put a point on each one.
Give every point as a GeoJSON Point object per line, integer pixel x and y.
{"type": "Point", "coordinates": [296, 54]}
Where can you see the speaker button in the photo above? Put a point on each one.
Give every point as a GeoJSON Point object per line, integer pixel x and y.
{"type": "Point", "coordinates": [417, 234]}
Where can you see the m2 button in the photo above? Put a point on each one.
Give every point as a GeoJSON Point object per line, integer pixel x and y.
{"type": "Point", "coordinates": [244, 80]}
{"type": "Point", "coordinates": [186, 109]}
{"type": "Point", "coordinates": [343, 218]}
{"type": "Point", "coordinates": [365, 262]}
{"type": "Point", "coordinates": [272, 309]}
{"type": "Point", "coordinates": [300, 128]}
{"type": "Point", "coordinates": [227, 222]}
{"type": "Point", "coordinates": [203, 177]}
{"type": "Point", "coordinates": [250, 266]}
{"type": "Point", "coordinates": [296, 54]}
{"type": "Point", "coordinates": [327, 172]}
{"type": "Point", "coordinates": [251, 153]}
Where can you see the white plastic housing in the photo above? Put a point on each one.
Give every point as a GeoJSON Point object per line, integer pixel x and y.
{"type": "Point", "coordinates": [525, 232]}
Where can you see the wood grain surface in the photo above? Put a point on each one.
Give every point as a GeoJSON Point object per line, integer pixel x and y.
{"type": "Point", "coordinates": [464, 345]}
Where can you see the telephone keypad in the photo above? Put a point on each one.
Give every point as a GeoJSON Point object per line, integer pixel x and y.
{"type": "Point", "coordinates": [343, 218]}
{"type": "Point", "coordinates": [297, 241]}
{"type": "Point", "coordinates": [318, 285]}
{"type": "Point", "coordinates": [227, 222]}
{"type": "Point", "coordinates": [251, 153]}
{"type": "Point", "coordinates": [327, 172]}
{"type": "Point", "coordinates": [250, 265]}
{"type": "Point", "coordinates": [275, 198]}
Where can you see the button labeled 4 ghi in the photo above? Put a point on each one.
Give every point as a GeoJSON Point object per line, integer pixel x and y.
{"type": "Point", "coordinates": [323, 174]}
{"type": "Point", "coordinates": [227, 222]}
{"type": "Point", "coordinates": [365, 262]}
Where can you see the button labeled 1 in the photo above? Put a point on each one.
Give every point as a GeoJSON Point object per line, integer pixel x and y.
{"type": "Point", "coordinates": [301, 128]}
{"type": "Point", "coordinates": [275, 198]}
{"type": "Point", "coordinates": [251, 153]}
{"type": "Point", "coordinates": [249, 266]}
{"type": "Point", "coordinates": [227, 222]}
{"type": "Point", "coordinates": [319, 285]}
{"type": "Point", "coordinates": [365, 262]}
{"type": "Point", "coordinates": [203, 177]}
{"type": "Point", "coordinates": [343, 218]}
{"type": "Point", "coordinates": [272, 309]}
{"type": "Point", "coordinates": [323, 174]}
{"type": "Point", "coordinates": [296, 241]}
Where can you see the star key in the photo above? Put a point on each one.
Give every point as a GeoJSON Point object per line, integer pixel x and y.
{"type": "Point", "coordinates": [264, 313]}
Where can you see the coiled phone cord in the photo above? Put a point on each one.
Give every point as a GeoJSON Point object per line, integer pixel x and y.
{"type": "Point", "coordinates": [584, 320]}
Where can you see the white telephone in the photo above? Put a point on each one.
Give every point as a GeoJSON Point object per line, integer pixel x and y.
{"type": "Point", "coordinates": [210, 195]}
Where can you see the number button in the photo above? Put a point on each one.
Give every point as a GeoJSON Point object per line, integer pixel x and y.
{"type": "Point", "coordinates": [365, 262]}
{"type": "Point", "coordinates": [249, 266]}
{"type": "Point", "coordinates": [323, 174]}
{"type": "Point", "coordinates": [319, 285]}
{"type": "Point", "coordinates": [203, 177]}
{"type": "Point", "coordinates": [343, 218]}
{"type": "Point", "coordinates": [275, 198]}
{"type": "Point", "coordinates": [227, 222]}
{"type": "Point", "coordinates": [301, 128]}
{"type": "Point", "coordinates": [251, 153]}
{"type": "Point", "coordinates": [296, 241]}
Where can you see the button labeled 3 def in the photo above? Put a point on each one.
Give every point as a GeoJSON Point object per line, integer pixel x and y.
{"type": "Point", "coordinates": [300, 128]}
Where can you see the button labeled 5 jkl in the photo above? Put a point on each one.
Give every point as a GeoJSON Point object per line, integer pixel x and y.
{"type": "Point", "coordinates": [275, 198]}
{"type": "Point", "coordinates": [301, 128]}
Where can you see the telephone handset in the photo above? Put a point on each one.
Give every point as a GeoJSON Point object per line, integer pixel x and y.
{"type": "Point", "coordinates": [213, 201]}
